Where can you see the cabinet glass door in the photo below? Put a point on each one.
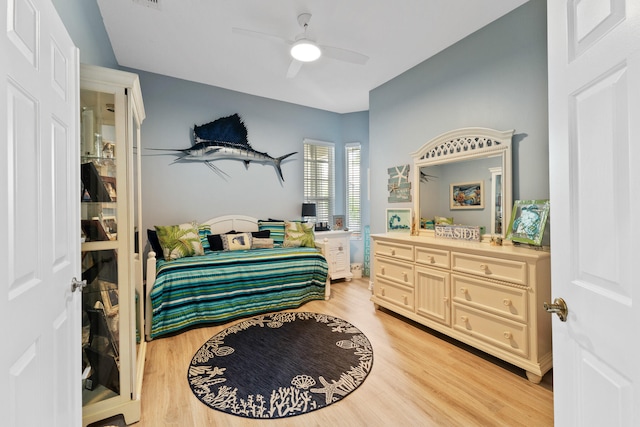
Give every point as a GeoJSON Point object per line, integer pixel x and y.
{"type": "Point", "coordinates": [100, 245]}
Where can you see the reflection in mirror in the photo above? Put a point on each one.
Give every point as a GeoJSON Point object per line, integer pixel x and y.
{"type": "Point", "coordinates": [458, 159]}
{"type": "Point", "coordinates": [436, 196]}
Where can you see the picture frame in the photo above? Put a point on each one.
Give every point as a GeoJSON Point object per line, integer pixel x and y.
{"type": "Point", "coordinates": [398, 220]}
{"type": "Point", "coordinates": [338, 222]}
{"type": "Point", "coordinates": [528, 221]}
{"type": "Point", "coordinates": [110, 225]}
{"type": "Point", "coordinates": [466, 195]}
{"type": "Point", "coordinates": [110, 299]}
{"type": "Point", "coordinates": [110, 185]}
{"type": "Point", "coordinates": [94, 230]}
{"type": "Point", "coordinates": [93, 186]}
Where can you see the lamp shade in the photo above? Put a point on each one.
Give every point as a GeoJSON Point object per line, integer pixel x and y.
{"type": "Point", "coordinates": [308, 209]}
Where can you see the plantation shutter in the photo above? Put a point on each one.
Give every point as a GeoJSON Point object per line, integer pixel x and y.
{"type": "Point", "coordinates": [319, 177]}
{"type": "Point", "coordinates": [354, 217]}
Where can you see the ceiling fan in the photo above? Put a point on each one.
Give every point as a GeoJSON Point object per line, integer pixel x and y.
{"type": "Point", "coordinates": [303, 47]}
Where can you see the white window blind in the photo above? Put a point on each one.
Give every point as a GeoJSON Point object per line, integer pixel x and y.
{"type": "Point", "coordinates": [354, 216]}
{"type": "Point", "coordinates": [319, 177]}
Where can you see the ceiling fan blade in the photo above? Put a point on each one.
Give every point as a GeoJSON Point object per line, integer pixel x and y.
{"type": "Point", "coordinates": [294, 67]}
{"type": "Point", "coordinates": [260, 35]}
{"type": "Point", "coordinates": [344, 55]}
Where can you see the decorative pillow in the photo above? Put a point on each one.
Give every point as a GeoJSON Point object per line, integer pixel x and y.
{"type": "Point", "coordinates": [236, 242]}
{"type": "Point", "coordinates": [215, 242]}
{"type": "Point", "coordinates": [261, 243]}
{"type": "Point", "coordinates": [203, 231]}
{"type": "Point", "coordinates": [442, 220]}
{"type": "Point", "coordinates": [152, 237]}
{"type": "Point", "coordinates": [276, 229]}
{"type": "Point", "coordinates": [179, 241]}
{"type": "Point", "coordinates": [263, 234]}
{"type": "Point", "coordinates": [298, 234]}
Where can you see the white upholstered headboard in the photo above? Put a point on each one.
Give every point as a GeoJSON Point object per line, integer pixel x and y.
{"type": "Point", "coordinates": [226, 223]}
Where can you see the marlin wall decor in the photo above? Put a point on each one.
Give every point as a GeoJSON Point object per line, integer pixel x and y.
{"type": "Point", "coordinates": [224, 138]}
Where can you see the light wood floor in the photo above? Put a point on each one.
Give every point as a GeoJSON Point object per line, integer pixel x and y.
{"type": "Point", "coordinates": [419, 378]}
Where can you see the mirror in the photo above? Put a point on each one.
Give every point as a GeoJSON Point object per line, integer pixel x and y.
{"type": "Point", "coordinates": [465, 174]}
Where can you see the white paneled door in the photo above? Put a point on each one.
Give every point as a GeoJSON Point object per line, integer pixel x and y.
{"type": "Point", "coordinates": [594, 149]}
{"type": "Point", "coordinates": [39, 210]}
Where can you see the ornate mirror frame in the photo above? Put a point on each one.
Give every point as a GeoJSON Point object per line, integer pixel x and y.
{"type": "Point", "coordinates": [467, 144]}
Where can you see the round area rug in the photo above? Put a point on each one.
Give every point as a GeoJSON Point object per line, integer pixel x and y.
{"type": "Point", "coordinates": [280, 365]}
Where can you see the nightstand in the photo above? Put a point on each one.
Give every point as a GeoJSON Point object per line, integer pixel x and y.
{"type": "Point", "coordinates": [335, 246]}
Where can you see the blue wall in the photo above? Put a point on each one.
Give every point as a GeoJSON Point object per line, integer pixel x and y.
{"type": "Point", "coordinates": [495, 78]}
{"type": "Point", "coordinates": [191, 191]}
{"type": "Point", "coordinates": [185, 191]}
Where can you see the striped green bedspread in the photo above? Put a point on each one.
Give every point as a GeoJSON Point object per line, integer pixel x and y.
{"type": "Point", "coordinates": [221, 286]}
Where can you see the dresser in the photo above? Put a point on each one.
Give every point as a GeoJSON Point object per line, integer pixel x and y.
{"type": "Point", "coordinates": [335, 246]}
{"type": "Point", "coordinates": [490, 297]}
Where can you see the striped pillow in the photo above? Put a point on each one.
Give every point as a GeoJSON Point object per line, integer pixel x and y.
{"type": "Point", "coordinates": [276, 230]}
{"type": "Point", "coordinates": [203, 231]}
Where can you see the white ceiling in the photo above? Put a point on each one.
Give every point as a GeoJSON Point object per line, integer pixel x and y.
{"type": "Point", "coordinates": [193, 40]}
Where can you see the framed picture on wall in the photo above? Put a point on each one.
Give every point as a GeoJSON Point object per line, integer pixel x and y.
{"type": "Point", "coordinates": [398, 220]}
{"type": "Point", "coordinates": [467, 195]}
{"type": "Point", "coordinates": [528, 220]}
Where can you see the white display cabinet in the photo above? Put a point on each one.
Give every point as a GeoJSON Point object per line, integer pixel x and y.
{"type": "Point", "coordinates": [113, 344]}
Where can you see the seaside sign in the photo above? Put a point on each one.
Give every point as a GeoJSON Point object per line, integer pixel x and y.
{"type": "Point", "coordinates": [458, 232]}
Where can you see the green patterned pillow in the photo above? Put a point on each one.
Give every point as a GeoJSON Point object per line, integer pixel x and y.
{"type": "Point", "coordinates": [298, 234]}
{"type": "Point", "coordinates": [179, 241]}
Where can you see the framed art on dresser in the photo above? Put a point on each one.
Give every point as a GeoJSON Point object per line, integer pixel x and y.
{"type": "Point", "coordinates": [528, 221]}
{"type": "Point", "coordinates": [398, 220]}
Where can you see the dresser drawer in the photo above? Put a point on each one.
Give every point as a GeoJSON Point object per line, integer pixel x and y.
{"type": "Point", "coordinates": [432, 257]}
{"type": "Point", "coordinates": [397, 294]}
{"type": "Point", "coordinates": [396, 271]}
{"type": "Point", "coordinates": [493, 268]}
{"type": "Point", "coordinates": [395, 250]}
{"type": "Point", "coordinates": [499, 299]}
{"type": "Point", "coordinates": [495, 330]}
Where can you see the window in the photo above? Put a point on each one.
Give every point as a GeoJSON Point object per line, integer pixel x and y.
{"type": "Point", "coordinates": [354, 221]}
{"type": "Point", "coordinates": [319, 177]}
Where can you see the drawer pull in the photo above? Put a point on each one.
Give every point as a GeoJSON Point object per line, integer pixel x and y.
{"type": "Point", "coordinates": [483, 267]}
{"type": "Point", "coordinates": [506, 302]}
{"type": "Point", "coordinates": [464, 290]}
{"type": "Point", "coordinates": [508, 335]}
{"type": "Point", "coordinates": [445, 299]}
{"type": "Point", "coordinates": [406, 276]}
{"type": "Point", "coordinates": [393, 251]}
{"type": "Point", "coordinates": [432, 259]}
{"type": "Point", "coordinates": [404, 298]}
{"type": "Point", "coordinates": [464, 319]}
{"type": "Point", "coordinates": [382, 291]}
{"type": "Point", "coordinates": [382, 270]}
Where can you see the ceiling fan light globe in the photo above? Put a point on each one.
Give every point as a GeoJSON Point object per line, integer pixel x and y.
{"type": "Point", "coordinates": [305, 51]}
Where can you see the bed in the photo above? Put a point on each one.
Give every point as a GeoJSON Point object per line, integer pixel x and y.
{"type": "Point", "coordinates": [220, 286]}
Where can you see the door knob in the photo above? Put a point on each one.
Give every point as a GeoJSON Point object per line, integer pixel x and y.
{"type": "Point", "coordinates": [78, 284]}
{"type": "Point", "coordinates": [558, 307]}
